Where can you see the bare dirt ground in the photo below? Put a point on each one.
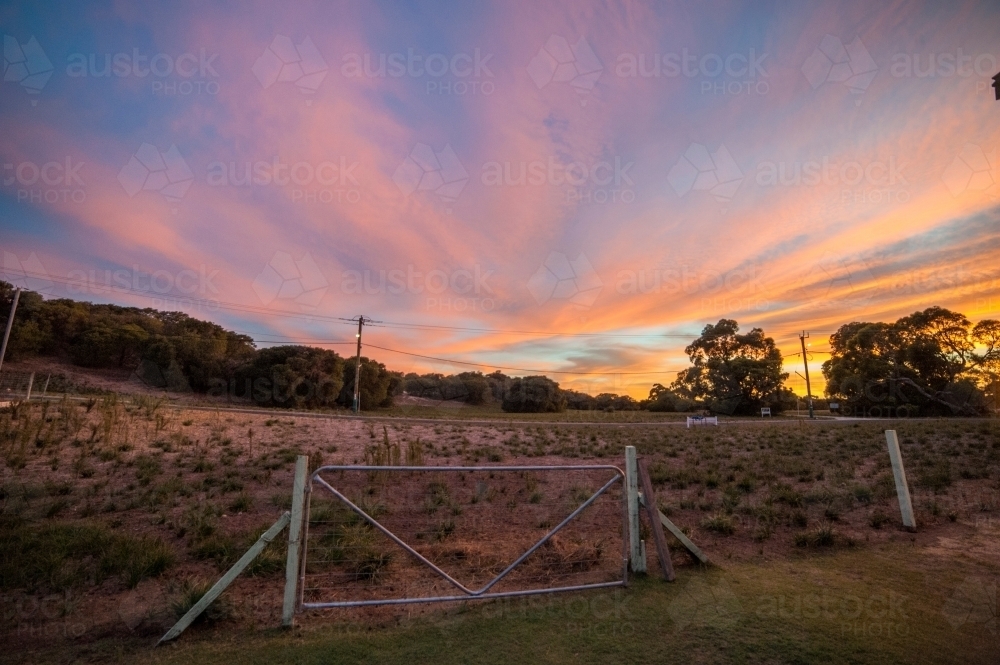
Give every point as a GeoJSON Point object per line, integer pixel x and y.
{"type": "Point", "coordinates": [203, 484]}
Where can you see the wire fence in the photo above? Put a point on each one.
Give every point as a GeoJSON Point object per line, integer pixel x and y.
{"type": "Point", "coordinates": [15, 385]}
{"type": "Point", "coordinates": [392, 535]}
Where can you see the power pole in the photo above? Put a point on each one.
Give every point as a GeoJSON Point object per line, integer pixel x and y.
{"type": "Point", "coordinates": [805, 361]}
{"type": "Point", "coordinates": [10, 324]}
{"type": "Point", "coordinates": [357, 370]}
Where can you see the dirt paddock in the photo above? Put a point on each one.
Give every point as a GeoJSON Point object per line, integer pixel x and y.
{"type": "Point", "coordinates": [117, 510]}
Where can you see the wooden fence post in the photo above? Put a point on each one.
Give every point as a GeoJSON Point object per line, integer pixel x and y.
{"type": "Point", "coordinates": [294, 537]}
{"type": "Point", "coordinates": [649, 499]}
{"type": "Point", "coordinates": [638, 554]}
{"type": "Point", "coordinates": [899, 473]}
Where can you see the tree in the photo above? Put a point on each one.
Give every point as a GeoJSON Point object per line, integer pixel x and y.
{"type": "Point", "coordinates": [732, 373]}
{"type": "Point", "coordinates": [662, 398]}
{"type": "Point", "coordinates": [615, 402]}
{"type": "Point", "coordinates": [378, 385]}
{"type": "Point", "coordinates": [579, 401]}
{"type": "Point", "coordinates": [475, 387]}
{"type": "Point", "coordinates": [935, 360]}
{"type": "Point", "coordinates": [298, 377]}
{"type": "Point", "coordinates": [468, 387]}
{"type": "Point", "coordinates": [533, 394]}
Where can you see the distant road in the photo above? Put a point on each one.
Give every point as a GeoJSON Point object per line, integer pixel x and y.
{"type": "Point", "coordinates": [674, 422]}
{"type": "Point", "coordinates": [679, 422]}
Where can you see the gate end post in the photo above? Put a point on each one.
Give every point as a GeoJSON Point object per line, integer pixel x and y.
{"type": "Point", "coordinates": [636, 546]}
{"type": "Point", "coordinates": [294, 540]}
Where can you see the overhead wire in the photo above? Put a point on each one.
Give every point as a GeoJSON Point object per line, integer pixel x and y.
{"type": "Point", "coordinates": [237, 307]}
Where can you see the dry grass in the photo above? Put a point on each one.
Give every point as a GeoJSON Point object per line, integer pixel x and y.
{"type": "Point", "coordinates": [187, 491]}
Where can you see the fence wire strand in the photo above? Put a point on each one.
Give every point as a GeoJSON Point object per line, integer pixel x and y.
{"type": "Point", "coordinates": [471, 524]}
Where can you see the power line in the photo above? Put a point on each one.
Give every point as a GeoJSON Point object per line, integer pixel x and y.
{"type": "Point", "coordinates": [253, 309]}
{"type": "Point", "coordinates": [396, 324]}
{"type": "Point", "coordinates": [452, 361]}
{"type": "Point", "coordinates": [392, 324]}
{"type": "Point", "coordinates": [186, 300]}
{"type": "Point", "coordinates": [516, 369]}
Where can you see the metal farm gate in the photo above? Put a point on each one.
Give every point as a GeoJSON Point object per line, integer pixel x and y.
{"type": "Point", "coordinates": [391, 535]}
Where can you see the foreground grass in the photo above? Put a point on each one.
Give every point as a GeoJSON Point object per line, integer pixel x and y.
{"type": "Point", "coordinates": [62, 556]}
{"type": "Point", "coordinates": [890, 605]}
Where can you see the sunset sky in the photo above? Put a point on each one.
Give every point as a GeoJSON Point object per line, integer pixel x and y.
{"type": "Point", "coordinates": [572, 187]}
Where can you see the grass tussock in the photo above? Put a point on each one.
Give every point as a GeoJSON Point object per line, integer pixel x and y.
{"type": "Point", "coordinates": [59, 556]}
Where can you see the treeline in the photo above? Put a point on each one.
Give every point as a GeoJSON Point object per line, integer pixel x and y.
{"type": "Point", "coordinates": [934, 362]}
{"type": "Point", "coordinates": [175, 352]}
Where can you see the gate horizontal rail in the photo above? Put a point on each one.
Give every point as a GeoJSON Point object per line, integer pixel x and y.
{"type": "Point", "coordinates": [484, 591]}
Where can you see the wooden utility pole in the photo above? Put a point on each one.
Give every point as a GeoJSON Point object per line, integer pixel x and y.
{"type": "Point", "coordinates": [357, 370]}
{"type": "Point", "coordinates": [805, 362]}
{"type": "Point", "coordinates": [10, 324]}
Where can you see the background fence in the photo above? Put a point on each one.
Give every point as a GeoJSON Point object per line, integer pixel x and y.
{"type": "Point", "coordinates": [14, 385]}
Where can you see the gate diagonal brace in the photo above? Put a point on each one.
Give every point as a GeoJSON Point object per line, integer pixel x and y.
{"type": "Point", "coordinates": [442, 573]}
{"type": "Point", "coordinates": [469, 593]}
{"type": "Point", "coordinates": [678, 534]}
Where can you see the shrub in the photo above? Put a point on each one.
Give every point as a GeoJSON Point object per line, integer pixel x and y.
{"type": "Point", "coordinates": [877, 519]}
{"type": "Point", "coordinates": [356, 548]}
{"type": "Point", "coordinates": [721, 524]}
{"type": "Point", "coordinates": [863, 494]}
{"type": "Point", "coordinates": [241, 504]}
{"type": "Point", "coordinates": [788, 496]}
{"type": "Point", "coordinates": [823, 537]}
